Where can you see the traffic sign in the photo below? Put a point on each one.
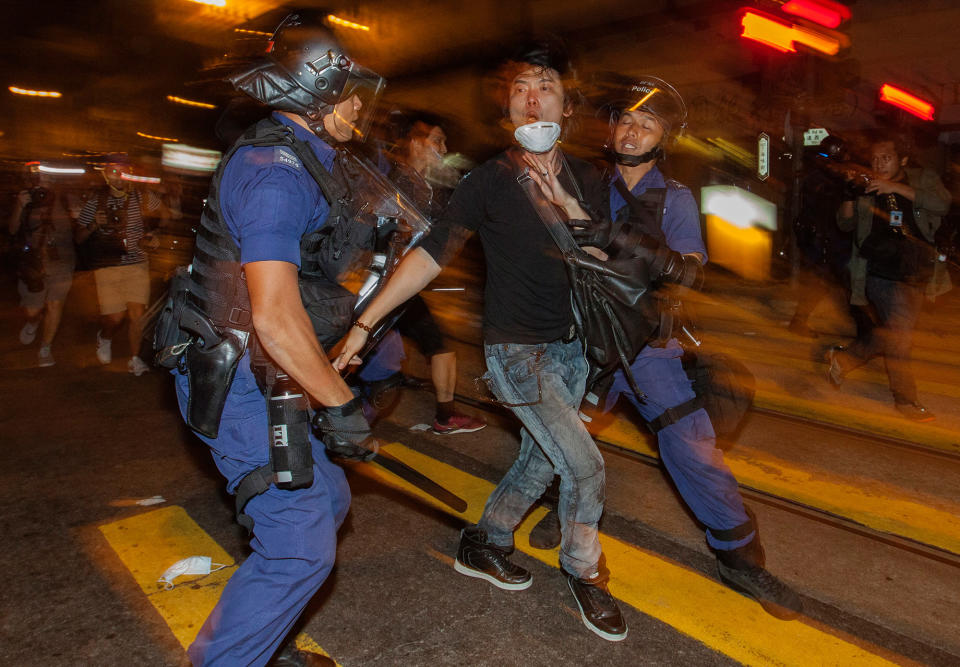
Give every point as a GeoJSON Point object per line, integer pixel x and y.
{"type": "Point", "coordinates": [763, 156]}
{"type": "Point", "coordinates": [814, 136]}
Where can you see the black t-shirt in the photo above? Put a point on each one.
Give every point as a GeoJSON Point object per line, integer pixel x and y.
{"type": "Point", "coordinates": [527, 295]}
{"type": "Point", "coordinates": [894, 248]}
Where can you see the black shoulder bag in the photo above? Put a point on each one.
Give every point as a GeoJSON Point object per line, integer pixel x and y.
{"type": "Point", "coordinates": [615, 310]}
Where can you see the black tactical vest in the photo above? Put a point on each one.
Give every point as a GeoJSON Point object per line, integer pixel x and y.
{"type": "Point", "coordinates": [217, 282]}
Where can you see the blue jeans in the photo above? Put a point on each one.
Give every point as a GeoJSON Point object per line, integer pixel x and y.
{"type": "Point", "coordinates": [688, 448]}
{"type": "Point", "coordinates": [548, 379]}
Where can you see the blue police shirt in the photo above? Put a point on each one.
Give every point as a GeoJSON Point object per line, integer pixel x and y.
{"type": "Point", "coordinates": [681, 217]}
{"type": "Point", "coordinates": [269, 200]}
{"type": "Point", "coordinates": [681, 228]}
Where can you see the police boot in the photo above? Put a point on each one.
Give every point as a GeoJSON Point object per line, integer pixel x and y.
{"type": "Point", "coordinates": [291, 656]}
{"type": "Point", "coordinates": [742, 570]}
{"type": "Point", "coordinates": [476, 557]}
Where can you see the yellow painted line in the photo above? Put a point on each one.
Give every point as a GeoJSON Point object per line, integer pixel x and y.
{"type": "Point", "coordinates": [148, 543]}
{"type": "Point", "coordinates": [686, 600]}
{"type": "Point", "coordinates": [880, 506]}
{"type": "Point", "coordinates": [928, 435]}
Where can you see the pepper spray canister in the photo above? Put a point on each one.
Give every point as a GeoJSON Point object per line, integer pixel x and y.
{"type": "Point", "coordinates": [291, 457]}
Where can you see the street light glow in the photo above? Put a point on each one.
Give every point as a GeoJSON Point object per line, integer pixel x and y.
{"type": "Point", "coordinates": [152, 136]}
{"type": "Point", "coordinates": [133, 178]}
{"type": "Point", "coordinates": [258, 33]}
{"type": "Point", "coordinates": [347, 24]}
{"type": "Point", "coordinates": [33, 93]}
{"type": "Point", "coordinates": [61, 170]}
{"type": "Point", "coordinates": [215, 3]}
{"type": "Point", "coordinates": [190, 103]}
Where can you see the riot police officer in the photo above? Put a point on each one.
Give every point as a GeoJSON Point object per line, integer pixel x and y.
{"type": "Point", "coordinates": [276, 233]}
{"type": "Point", "coordinates": [650, 211]}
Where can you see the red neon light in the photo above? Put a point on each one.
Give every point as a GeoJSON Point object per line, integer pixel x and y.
{"type": "Point", "coordinates": [904, 100]}
{"type": "Point", "coordinates": [785, 36]}
{"type": "Point", "coordinates": [825, 12]}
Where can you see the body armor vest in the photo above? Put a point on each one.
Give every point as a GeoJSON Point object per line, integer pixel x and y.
{"type": "Point", "coordinates": [218, 284]}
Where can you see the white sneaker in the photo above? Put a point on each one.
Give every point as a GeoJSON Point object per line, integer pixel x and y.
{"type": "Point", "coordinates": [45, 357]}
{"type": "Point", "coordinates": [29, 332]}
{"type": "Point", "coordinates": [104, 352]}
{"type": "Point", "coordinates": [137, 366]}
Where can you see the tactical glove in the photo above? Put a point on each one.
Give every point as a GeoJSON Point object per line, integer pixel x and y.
{"type": "Point", "coordinates": [596, 233]}
{"type": "Point", "coordinates": [345, 432]}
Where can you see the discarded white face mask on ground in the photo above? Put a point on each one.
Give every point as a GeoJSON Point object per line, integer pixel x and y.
{"type": "Point", "coordinates": [192, 565]}
{"type": "Point", "coordinates": [538, 137]}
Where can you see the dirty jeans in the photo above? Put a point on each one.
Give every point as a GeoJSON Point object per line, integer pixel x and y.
{"type": "Point", "coordinates": [551, 377]}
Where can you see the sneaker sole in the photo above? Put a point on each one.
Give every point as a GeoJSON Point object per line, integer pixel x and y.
{"type": "Point", "coordinates": [590, 626]}
{"type": "Point", "coordinates": [46, 364]}
{"type": "Point", "coordinates": [777, 611]}
{"type": "Point", "coordinates": [459, 430]}
{"type": "Point", "coordinates": [477, 574]}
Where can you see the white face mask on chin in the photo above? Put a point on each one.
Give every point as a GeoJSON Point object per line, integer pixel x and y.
{"type": "Point", "coordinates": [538, 137]}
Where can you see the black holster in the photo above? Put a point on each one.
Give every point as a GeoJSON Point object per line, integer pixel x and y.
{"type": "Point", "coordinates": [211, 363]}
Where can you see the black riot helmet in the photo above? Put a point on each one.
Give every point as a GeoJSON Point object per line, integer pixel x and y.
{"type": "Point", "coordinates": [656, 97]}
{"type": "Point", "coordinates": [307, 72]}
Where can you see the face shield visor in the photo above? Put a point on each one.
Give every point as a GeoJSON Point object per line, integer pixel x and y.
{"type": "Point", "coordinates": [351, 90]}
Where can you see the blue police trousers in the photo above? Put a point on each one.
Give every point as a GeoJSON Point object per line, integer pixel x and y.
{"type": "Point", "coordinates": [688, 447]}
{"type": "Point", "coordinates": [294, 537]}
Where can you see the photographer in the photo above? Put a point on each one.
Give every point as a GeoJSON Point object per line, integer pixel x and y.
{"type": "Point", "coordinates": [42, 226]}
{"type": "Point", "coordinates": [111, 233]}
{"type": "Point", "coordinates": [893, 262]}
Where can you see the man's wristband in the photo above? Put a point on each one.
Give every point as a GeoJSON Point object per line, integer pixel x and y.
{"type": "Point", "coordinates": [361, 325]}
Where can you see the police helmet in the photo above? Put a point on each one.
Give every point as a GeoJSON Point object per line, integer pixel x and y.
{"type": "Point", "coordinates": [306, 71]}
{"type": "Point", "coordinates": [656, 97]}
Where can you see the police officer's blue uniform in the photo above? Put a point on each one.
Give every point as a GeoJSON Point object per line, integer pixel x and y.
{"type": "Point", "coordinates": [687, 447]}
{"type": "Point", "coordinates": [269, 201]}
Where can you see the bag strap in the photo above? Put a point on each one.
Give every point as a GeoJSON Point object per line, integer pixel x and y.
{"type": "Point", "coordinates": [549, 216]}
{"type": "Point", "coordinates": [546, 211]}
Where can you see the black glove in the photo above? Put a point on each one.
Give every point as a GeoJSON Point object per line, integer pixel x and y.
{"type": "Point", "coordinates": [594, 233]}
{"type": "Point", "coordinates": [345, 432]}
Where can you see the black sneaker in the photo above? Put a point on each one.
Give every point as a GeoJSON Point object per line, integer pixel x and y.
{"type": "Point", "coordinates": [546, 534]}
{"type": "Point", "coordinates": [598, 609]}
{"type": "Point", "coordinates": [776, 598]}
{"type": "Point", "coordinates": [477, 558]}
{"type": "Point", "coordinates": [291, 656]}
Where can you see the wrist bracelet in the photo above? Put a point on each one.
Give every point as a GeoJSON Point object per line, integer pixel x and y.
{"type": "Point", "coordinates": [361, 325]}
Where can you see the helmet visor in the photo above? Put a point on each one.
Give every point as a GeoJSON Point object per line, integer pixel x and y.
{"type": "Point", "coordinates": [362, 87]}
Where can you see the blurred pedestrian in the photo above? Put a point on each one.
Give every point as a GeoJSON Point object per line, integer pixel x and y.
{"type": "Point", "coordinates": [416, 171]}
{"type": "Point", "coordinates": [893, 264]}
{"type": "Point", "coordinates": [113, 238]}
{"type": "Point", "coordinates": [42, 224]}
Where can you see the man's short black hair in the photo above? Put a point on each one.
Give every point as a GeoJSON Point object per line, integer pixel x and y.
{"type": "Point", "coordinates": [544, 52]}
{"type": "Point", "coordinates": [403, 123]}
{"type": "Point", "coordinates": [901, 143]}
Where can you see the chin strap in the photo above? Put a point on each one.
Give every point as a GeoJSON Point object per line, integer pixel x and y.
{"type": "Point", "coordinates": [634, 160]}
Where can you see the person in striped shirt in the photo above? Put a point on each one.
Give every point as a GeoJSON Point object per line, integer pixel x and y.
{"type": "Point", "coordinates": [111, 230]}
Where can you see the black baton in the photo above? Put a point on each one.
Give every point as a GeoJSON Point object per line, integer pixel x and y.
{"type": "Point", "coordinates": [419, 480]}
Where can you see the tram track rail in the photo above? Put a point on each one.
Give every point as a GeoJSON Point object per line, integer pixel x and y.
{"type": "Point", "coordinates": [800, 509]}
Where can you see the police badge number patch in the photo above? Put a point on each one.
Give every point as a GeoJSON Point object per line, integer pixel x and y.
{"type": "Point", "coordinates": [285, 157]}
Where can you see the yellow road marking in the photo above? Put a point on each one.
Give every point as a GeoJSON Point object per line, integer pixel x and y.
{"type": "Point", "coordinates": [691, 603]}
{"type": "Point", "coordinates": [880, 506]}
{"type": "Point", "coordinates": [148, 543]}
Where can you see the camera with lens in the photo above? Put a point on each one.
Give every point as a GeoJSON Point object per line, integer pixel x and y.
{"type": "Point", "coordinates": [38, 194]}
